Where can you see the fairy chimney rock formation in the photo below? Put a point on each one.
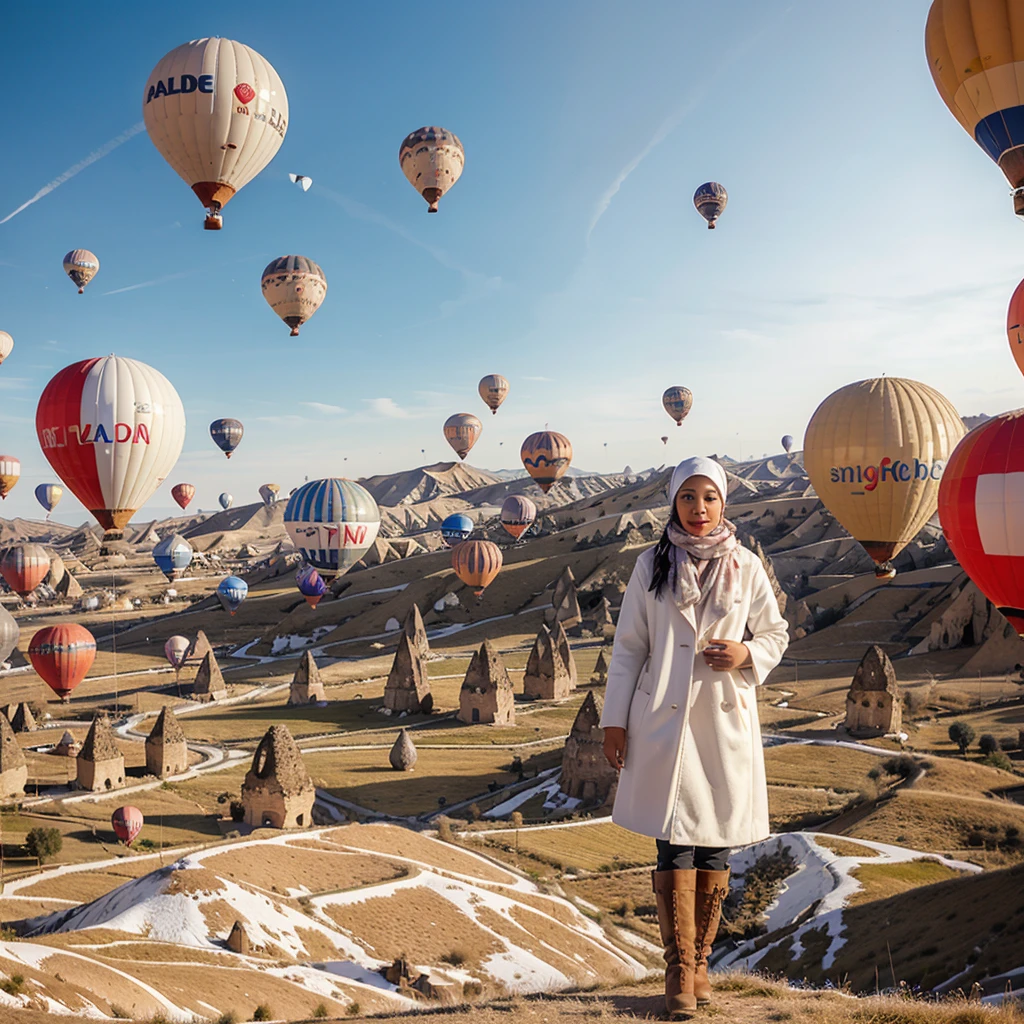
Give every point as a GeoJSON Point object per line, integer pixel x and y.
{"type": "Point", "coordinates": [780, 595]}
{"type": "Point", "coordinates": [408, 687]}
{"type": "Point", "coordinates": [68, 746]}
{"type": "Point", "coordinates": [874, 705]}
{"type": "Point", "coordinates": [600, 621]}
{"type": "Point", "coordinates": [403, 753]}
{"type": "Point", "coordinates": [416, 632]}
{"type": "Point", "coordinates": [13, 767]}
{"type": "Point", "coordinates": [486, 694]}
{"type": "Point", "coordinates": [166, 749]}
{"type": "Point", "coordinates": [200, 649]}
{"type": "Point", "coordinates": [586, 774]}
{"type": "Point", "coordinates": [547, 676]}
{"type": "Point", "coordinates": [209, 684]}
{"type": "Point", "coordinates": [561, 642]}
{"type": "Point", "coordinates": [307, 686]}
{"type": "Point", "coordinates": [565, 606]}
{"type": "Point", "coordinates": [100, 762]}
{"type": "Point", "coordinates": [277, 791]}
{"type": "Point", "coordinates": [600, 675]}
{"type": "Point", "coordinates": [21, 717]}
{"type": "Point", "coordinates": [238, 940]}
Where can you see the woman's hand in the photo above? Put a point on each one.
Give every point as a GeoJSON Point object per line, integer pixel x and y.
{"type": "Point", "coordinates": [726, 655]}
{"type": "Point", "coordinates": [615, 746]}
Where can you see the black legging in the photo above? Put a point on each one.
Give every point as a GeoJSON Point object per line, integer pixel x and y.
{"type": "Point", "coordinates": [683, 858]}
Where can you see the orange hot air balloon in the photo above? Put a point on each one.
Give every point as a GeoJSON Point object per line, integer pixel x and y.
{"type": "Point", "coordinates": [546, 456]}
{"type": "Point", "coordinates": [517, 515]}
{"type": "Point", "coordinates": [477, 563]}
{"type": "Point", "coordinates": [493, 390]}
{"type": "Point", "coordinates": [1015, 326]}
{"type": "Point", "coordinates": [62, 655]}
{"type": "Point", "coordinates": [462, 431]}
{"type": "Point", "coordinates": [183, 494]}
{"type": "Point", "coordinates": [24, 567]}
{"type": "Point", "coordinates": [10, 474]}
{"type": "Point", "coordinates": [127, 823]}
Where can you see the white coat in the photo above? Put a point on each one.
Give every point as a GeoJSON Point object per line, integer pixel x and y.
{"type": "Point", "coordinates": [694, 767]}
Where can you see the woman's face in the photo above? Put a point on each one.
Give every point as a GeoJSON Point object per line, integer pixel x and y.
{"type": "Point", "coordinates": [699, 506]}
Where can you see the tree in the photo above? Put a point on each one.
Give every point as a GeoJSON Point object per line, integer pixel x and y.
{"type": "Point", "coordinates": [44, 843]}
{"type": "Point", "coordinates": [962, 735]}
{"type": "Point", "coordinates": [987, 743]}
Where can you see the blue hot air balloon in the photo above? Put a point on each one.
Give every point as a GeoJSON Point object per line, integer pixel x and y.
{"type": "Point", "coordinates": [173, 555]}
{"type": "Point", "coordinates": [456, 528]}
{"type": "Point", "coordinates": [48, 495]}
{"type": "Point", "coordinates": [311, 585]}
{"type": "Point", "coordinates": [226, 500]}
{"type": "Point", "coordinates": [227, 435]}
{"type": "Point", "coordinates": [232, 592]}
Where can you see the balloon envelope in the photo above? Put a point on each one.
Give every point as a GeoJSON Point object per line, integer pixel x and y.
{"type": "Point", "coordinates": [232, 592]}
{"type": "Point", "coordinates": [875, 452]}
{"type": "Point", "coordinates": [517, 515]}
{"type": "Point", "coordinates": [226, 500]}
{"type": "Point", "coordinates": [24, 567]}
{"type": "Point", "coordinates": [311, 585]}
{"type": "Point", "coordinates": [294, 288]}
{"type": "Point", "coordinates": [173, 555]}
{"type": "Point", "coordinates": [127, 823]}
{"type": "Point", "coordinates": [456, 528]}
{"type": "Point", "coordinates": [112, 429]}
{"type": "Point", "coordinates": [62, 655]}
{"type": "Point", "coordinates": [9, 634]}
{"type": "Point", "coordinates": [677, 402]}
{"type": "Point", "coordinates": [493, 390]}
{"type": "Point", "coordinates": [81, 266]}
{"type": "Point", "coordinates": [10, 474]}
{"type": "Point", "coordinates": [217, 112]}
{"type": "Point", "coordinates": [227, 434]}
{"type": "Point", "coordinates": [176, 650]}
{"type": "Point", "coordinates": [49, 495]}
{"type": "Point", "coordinates": [664, 438]}
{"type": "Point", "coordinates": [432, 160]}
{"type": "Point", "coordinates": [6, 345]}
{"type": "Point", "coordinates": [787, 442]}
{"type": "Point", "coordinates": [269, 493]}
{"type": "Point", "coordinates": [710, 200]}
{"type": "Point", "coordinates": [183, 494]}
{"type": "Point", "coordinates": [546, 456]}
{"type": "Point", "coordinates": [302, 180]}
{"type": "Point", "coordinates": [477, 563]}
{"type": "Point", "coordinates": [1015, 326]}
{"type": "Point", "coordinates": [332, 522]}
{"type": "Point", "coordinates": [462, 431]}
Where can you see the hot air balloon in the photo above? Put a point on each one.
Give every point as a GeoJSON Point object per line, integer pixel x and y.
{"type": "Point", "coordinates": [664, 438]}
{"type": "Point", "coordinates": [127, 823]}
{"type": "Point", "coordinates": [112, 429]}
{"type": "Point", "coordinates": [24, 567]}
{"type": "Point", "coordinates": [677, 402]}
{"type": "Point", "coordinates": [462, 431]}
{"type": "Point", "coordinates": [546, 456]}
{"type": "Point", "coordinates": [217, 112]}
{"type": "Point", "coordinates": [974, 54]}
{"type": "Point", "coordinates": [269, 493]}
{"type": "Point", "coordinates": [493, 390]}
{"type": "Point", "coordinates": [787, 442]}
{"type": "Point", "coordinates": [517, 515]}
{"type": "Point", "coordinates": [81, 266]}
{"type": "Point", "coordinates": [175, 651]}
{"type": "Point", "coordinates": [227, 435]}
{"type": "Point", "coordinates": [183, 494]}
{"type": "Point", "coordinates": [1015, 326]}
{"type": "Point", "coordinates": [981, 508]}
{"type": "Point", "coordinates": [311, 585]}
{"type": "Point", "coordinates": [294, 287]}
{"type": "Point", "coordinates": [302, 180]}
{"type": "Point", "coordinates": [226, 500]}
{"type": "Point", "coordinates": [710, 200]}
{"type": "Point", "coordinates": [332, 522]}
{"type": "Point", "coordinates": [6, 345]}
{"type": "Point", "coordinates": [49, 495]}
{"type": "Point", "coordinates": [232, 592]}
{"type": "Point", "coordinates": [173, 555]}
{"type": "Point", "coordinates": [456, 528]}
{"type": "Point", "coordinates": [10, 474]}
{"type": "Point", "coordinates": [477, 563]}
{"type": "Point", "coordinates": [432, 159]}
{"type": "Point", "coordinates": [62, 655]}
{"type": "Point", "coordinates": [875, 452]}
{"type": "Point", "coordinates": [9, 634]}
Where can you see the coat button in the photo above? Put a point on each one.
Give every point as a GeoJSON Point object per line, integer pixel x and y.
{"type": "Point", "coordinates": [726, 706]}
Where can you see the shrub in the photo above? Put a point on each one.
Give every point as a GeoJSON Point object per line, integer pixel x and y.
{"type": "Point", "coordinates": [228, 1017]}
{"type": "Point", "coordinates": [997, 759]}
{"type": "Point", "coordinates": [119, 1014]}
{"type": "Point", "coordinates": [237, 810]}
{"type": "Point", "coordinates": [352, 1009]}
{"type": "Point", "coordinates": [875, 773]}
{"type": "Point", "coordinates": [262, 1012]}
{"type": "Point", "coordinates": [44, 843]}
{"type": "Point", "coordinates": [1008, 743]}
{"type": "Point", "coordinates": [962, 735]}
{"type": "Point", "coordinates": [456, 958]}
{"type": "Point", "coordinates": [904, 766]}
{"type": "Point", "coordinates": [320, 1011]}
{"type": "Point", "coordinates": [472, 988]}
{"type": "Point", "coordinates": [987, 743]}
{"type": "Point", "coordinates": [13, 985]}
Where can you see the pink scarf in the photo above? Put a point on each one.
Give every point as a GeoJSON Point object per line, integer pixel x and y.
{"type": "Point", "coordinates": [721, 587]}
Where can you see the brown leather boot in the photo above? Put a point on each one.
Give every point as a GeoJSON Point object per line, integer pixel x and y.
{"type": "Point", "coordinates": [674, 895]}
{"type": "Point", "coordinates": [711, 890]}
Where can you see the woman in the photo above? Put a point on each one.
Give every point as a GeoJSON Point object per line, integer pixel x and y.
{"type": "Point", "coordinates": [699, 629]}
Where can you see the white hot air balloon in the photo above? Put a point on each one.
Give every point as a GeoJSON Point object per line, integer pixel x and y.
{"type": "Point", "coordinates": [302, 180]}
{"type": "Point", "coordinates": [432, 159]}
{"type": "Point", "coordinates": [6, 345]}
{"type": "Point", "coordinates": [218, 113]}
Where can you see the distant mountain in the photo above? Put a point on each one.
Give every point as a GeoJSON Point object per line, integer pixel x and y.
{"type": "Point", "coordinates": [427, 483]}
{"type": "Point", "coordinates": [970, 422]}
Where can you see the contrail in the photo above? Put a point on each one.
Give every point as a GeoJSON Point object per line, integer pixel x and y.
{"type": "Point", "coordinates": [149, 284]}
{"type": "Point", "coordinates": [98, 154]}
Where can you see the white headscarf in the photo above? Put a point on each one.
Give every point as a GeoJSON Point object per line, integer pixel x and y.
{"type": "Point", "coordinates": [698, 466]}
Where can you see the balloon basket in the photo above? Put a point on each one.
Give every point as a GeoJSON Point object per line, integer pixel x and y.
{"type": "Point", "coordinates": [885, 571]}
{"type": "Point", "coordinates": [213, 222]}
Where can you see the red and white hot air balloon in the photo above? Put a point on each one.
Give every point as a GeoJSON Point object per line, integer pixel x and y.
{"type": "Point", "coordinates": [127, 823]}
{"type": "Point", "coordinates": [62, 655]}
{"type": "Point", "coordinates": [981, 508]}
{"type": "Point", "coordinates": [112, 429]}
{"type": "Point", "coordinates": [24, 567]}
{"type": "Point", "coordinates": [176, 650]}
{"type": "Point", "coordinates": [183, 494]}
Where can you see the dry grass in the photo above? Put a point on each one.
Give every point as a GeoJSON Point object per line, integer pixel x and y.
{"type": "Point", "coordinates": [593, 847]}
{"type": "Point", "coordinates": [880, 881]}
{"type": "Point", "coordinates": [836, 768]}
{"type": "Point", "coordinates": [790, 807]}
{"type": "Point", "coordinates": [843, 847]}
{"type": "Point", "coordinates": [964, 778]}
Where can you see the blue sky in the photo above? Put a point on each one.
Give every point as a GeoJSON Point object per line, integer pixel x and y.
{"type": "Point", "coordinates": [865, 233]}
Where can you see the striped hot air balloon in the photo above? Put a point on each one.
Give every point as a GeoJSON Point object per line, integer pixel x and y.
{"type": "Point", "coordinates": [81, 266]}
{"type": "Point", "coordinates": [9, 634]}
{"type": "Point", "coordinates": [62, 655]}
{"type": "Point", "coordinates": [710, 200]}
{"type": "Point", "coordinates": [269, 493]}
{"type": "Point", "coordinates": [112, 429]}
{"type": "Point", "coordinates": [493, 390]}
{"type": "Point", "coordinates": [232, 591]}
{"type": "Point", "coordinates": [127, 823]}
{"type": "Point", "coordinates": [294, 288]}
{"type": "Point", "coordinates": [227, 434]}
{"type": "Point", "coordinates": [332, 522]}
{"type": "Point", "coordinates": [517, 515]}
{"type": "Point", "coordinates": [546, 456]}
{"type": "Point", "coordinates": [456, 528]}
{"type": "Point", "coordinates": [173, 555]}
{"type": "Point", "coordinates": [432, 160]}
{"type": "Point", "coordinates": [183, 494]}
{"type": "Point", "coordinates": [49, 495]}
{"type": "Point", "coordinates": [677, 402]}
{"type": "Point", "coordinates": [477, 563]}
{"type": "Point", "coordinates": [462, 431]}
{"type": "Point", "coordinates": [311, 585]}
{"type": "Point", "coordinates": [10, 474]}
{"type": "Point", "coordinates": [24, 567]}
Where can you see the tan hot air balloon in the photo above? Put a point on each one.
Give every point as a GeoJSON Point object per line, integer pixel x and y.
{"type": "Point", "coordinates": [517, 515]}
{"type": "Point", "coordinates": [294, 287]}
{"type": "Point", "coordinates": [462, 431]}
{"type": "Point", "coordinates": [875, 452]}
{"type": "Point", "coordinates": [10, 474]}
{"type": "Point", "coordinates": [432, 159]}
{"type": "Point", "coordinates": [81, 266]}
{"type": "Point", "coordinates": [493, 390]}
{"type": "Point", "coordinates": [6, 345]}
{"type": "Point", "coordinates": [477, 563]}
{"type": "Point", "coordinates": [217, 112]}
{"type": "Point", "coordinates": [546, 456]}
